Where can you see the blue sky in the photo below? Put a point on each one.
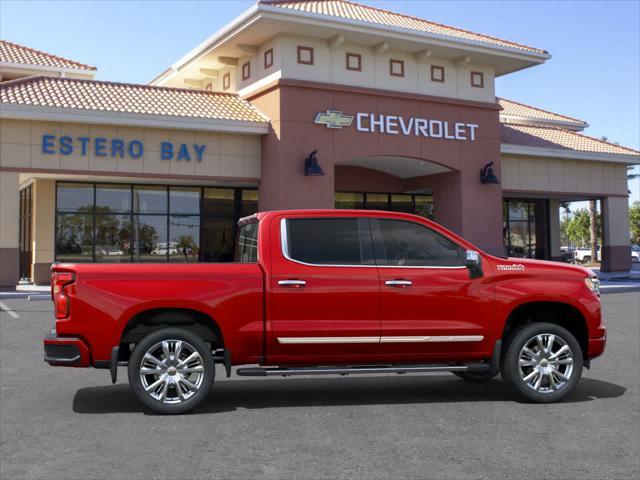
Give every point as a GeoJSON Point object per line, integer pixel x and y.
{"type": "Point", "coordinates": [594, 73]}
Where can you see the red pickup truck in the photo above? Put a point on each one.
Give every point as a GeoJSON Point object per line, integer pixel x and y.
{"type": "Point", "coordinates": [330, 292]}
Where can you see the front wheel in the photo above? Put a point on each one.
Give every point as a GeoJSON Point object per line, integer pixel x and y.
{"type": "Point", "coordinates": [543, 362]}
{"type": "Point", "coordinates": [171, 370]}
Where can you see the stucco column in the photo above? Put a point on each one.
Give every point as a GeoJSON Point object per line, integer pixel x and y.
{"type": "Point", "coordinates": [44, 199]}
{"type": "Point", "coordinates": [554, 230]}
{"type": "Point", "coordinates": [9, 221]}
{"type": "Point", "coordinates": [616, 249]}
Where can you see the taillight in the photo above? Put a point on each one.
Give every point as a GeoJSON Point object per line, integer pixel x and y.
{"type": "Point", "coordinates": [59, 280]}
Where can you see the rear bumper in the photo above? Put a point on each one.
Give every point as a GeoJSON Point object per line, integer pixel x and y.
{"type": "Point", "coordinates": [65, 351]}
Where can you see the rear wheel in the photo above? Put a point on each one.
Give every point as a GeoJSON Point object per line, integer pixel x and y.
{"type": "Point", "coordinates": [171, 370]}
{"type": "Point", "coordinates": [543, 362]}
{"type": "Point", "coordinates": [586, 259]}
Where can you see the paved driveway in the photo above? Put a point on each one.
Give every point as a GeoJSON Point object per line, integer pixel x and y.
{"type": "Point", "coordinates": [67, 423]}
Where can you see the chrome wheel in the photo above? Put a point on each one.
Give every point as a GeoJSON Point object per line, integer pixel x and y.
{"type": "Point", "coordinates": [546, 363]}
{"type": "Point", "coordinates": [171, 371]}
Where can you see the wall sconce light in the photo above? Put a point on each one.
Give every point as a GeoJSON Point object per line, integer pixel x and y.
{"type": "Point", "coordinates": [487, 176]}
{"type": "Point", "coordinates": [311, 167]}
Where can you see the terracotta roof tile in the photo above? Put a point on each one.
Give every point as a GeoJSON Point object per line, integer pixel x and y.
{"type": "Point", "coordinates": [559, 139]}
{"type": "Point", "coordinates": [127, 98]}
{"type": "Point", "coordinates": [355, 11]}
{"type": "Point", "coordinates": [14, 53]}
{"type": "Point", "coordinates": [516, 109]}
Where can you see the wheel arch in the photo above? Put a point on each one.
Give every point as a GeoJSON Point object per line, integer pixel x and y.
{"type": "Point", "coordinates": [149, 320]}
{"type": "Point", "coordinates": [559, 313]}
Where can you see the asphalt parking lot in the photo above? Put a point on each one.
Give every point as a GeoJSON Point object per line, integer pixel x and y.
{"type": "Point", "coordinates": [68, 423]}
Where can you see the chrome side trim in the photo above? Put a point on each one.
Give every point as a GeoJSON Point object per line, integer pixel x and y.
{"type": "Point", "coordinates": [384, 339]}
{"type": "Point", "coordinates": [433, 339]}
{"type": "Point", "coordinates": [284, 247]}
{"type": "Point", "coordinates": [320, 340]}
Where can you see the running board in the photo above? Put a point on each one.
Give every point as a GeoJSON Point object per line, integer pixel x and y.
{"type": "Point", "coordinates": [349, 370]}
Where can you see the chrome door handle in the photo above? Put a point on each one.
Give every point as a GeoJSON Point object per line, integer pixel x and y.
{"type": "Point", "coordinates": [398, 283]}
{"type": "Point", "coordinates": [292, 283]}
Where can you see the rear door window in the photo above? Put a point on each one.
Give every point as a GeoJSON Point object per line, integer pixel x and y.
{"type": "Point", "coordinates": [406, 244]}
{"type": "Point", "coordinates": [247, 248]}
{"type": "Point", "coordinates": [328, 241]}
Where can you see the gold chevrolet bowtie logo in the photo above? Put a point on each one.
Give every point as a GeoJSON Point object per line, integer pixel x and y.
{"type": "Point", "coordinates": [334, 119]}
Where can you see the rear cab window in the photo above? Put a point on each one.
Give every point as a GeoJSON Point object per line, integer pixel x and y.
{"type": "Point", "coordinates": [247, 243]}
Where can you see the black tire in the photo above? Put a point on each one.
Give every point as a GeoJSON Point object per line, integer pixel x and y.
{"type": "Point", "coordinates": [511, 370]}
{"type": "Point", "coordinates": [586, 260]}
{"type": "Point", "coordinates": [135, 364]}
{"type": "Point", "coordinates": [475, 377]}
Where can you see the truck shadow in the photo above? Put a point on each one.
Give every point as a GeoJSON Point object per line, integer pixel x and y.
{"type": "Point", "coordinates": [227, 396]}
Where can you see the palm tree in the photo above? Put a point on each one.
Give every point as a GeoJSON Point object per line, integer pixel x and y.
{"type": "Point", "coordinates": [593, 230]}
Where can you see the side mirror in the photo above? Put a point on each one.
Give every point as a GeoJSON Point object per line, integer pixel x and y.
{"type": "Point", "coordinates": [474, 263]}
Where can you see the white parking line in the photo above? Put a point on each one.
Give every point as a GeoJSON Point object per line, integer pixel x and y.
{"type": "Point", "coordinates": [11, 313]}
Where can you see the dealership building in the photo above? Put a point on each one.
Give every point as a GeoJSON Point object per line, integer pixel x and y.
{"type": "Point", "coordinates": [294, 104]}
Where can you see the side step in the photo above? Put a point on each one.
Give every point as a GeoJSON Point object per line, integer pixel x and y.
{"type": "Point", "coordinates": [349, 370]}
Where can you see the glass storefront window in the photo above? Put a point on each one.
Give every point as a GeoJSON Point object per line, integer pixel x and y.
{"type": "Point", "coordinates": [148, 223]}
{"type": "Point", "coordinates": [521, 229]}
{"type": "Point", "coordinates": [397, 202]}
{"type": "Point", "coordinates": [249, 203]}
{"type": "Point", "coordinates": [113, 238]}
{"type": "Point", "coordinates": [184, 234]}
{"type": "Point", "coordinates": [149, 199]}
{"type": "Point", "coordinates": [73, 196]}
{"type": "Point", "coordinates": [424, 206]}
{"type": "Point", "coordinates": [184, 200]}
{"type": "Point", "coordinates": [150, 239]}
{"type": "Point", "coordinates": [218, 225]}
{"type": "Point", "coordinates": [350, 200]}
{"type": "Point", "coordinates": [74, 237]}
{"type": "Point", "coordinates": [402, 203]}
{"type": "Point", "coordinates": [113, 198]}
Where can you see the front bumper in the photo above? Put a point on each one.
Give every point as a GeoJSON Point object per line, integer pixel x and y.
{"type": "Point", "coordinates": [65, 351]}
{"type": "Point", "coordinates": [597, 343]}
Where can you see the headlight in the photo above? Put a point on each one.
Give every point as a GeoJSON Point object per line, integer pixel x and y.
{"type": "Point", "coordinates": [593, 284]}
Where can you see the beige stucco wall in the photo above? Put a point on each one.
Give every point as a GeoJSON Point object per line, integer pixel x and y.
{"type": "Point", "coordinates": [330, 67]}
{"type": "Point", "coordinates": [616, 221]}
{"type": "Point", "coordinates": [226, 155]}
{"type": "Point", "coordinates": [44, 200]}
{"type": "Point", "coordinates": [533, 174]}
{"type": "Point", "coordinates": [9, 210]}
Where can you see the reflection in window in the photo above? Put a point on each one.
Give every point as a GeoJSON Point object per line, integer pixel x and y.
{"type": "Point", "coordinates": [184, 234]}
{"type": "Point", "coordinates": [412, 244]}
{"type": "Point", "coordinates": [74, 237]}
{"type": "Point", "coordinates": [148, 223]}
{"type": "Point", "coordinates": [113, 238]}
{"type": "Point", "coordinates": [150, 239]}
{"type": "Point", "coordinates": [113, 198]}
{"type": "Point", "coordinates": [71, 196]}
{"type": "Point", "coordinates": [148, 199]}
{"type": "Point", "coordinates": [184, 200]}
{"type": "Point", "coordinates": [416, 204]}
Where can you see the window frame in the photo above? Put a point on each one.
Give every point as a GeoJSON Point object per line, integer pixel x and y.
{"type": "Point", "coordinates": [246, 71]}
{"type": "Point", "coordinates": [302, 48]}
{"type": "Point", "coordinates": [396, 61]}
{"type": "Point", "coordinates": [357, 56]}
{"type": "Point", "coordinates": [268, 58]}
{"type": "Point", "coordinates": [479, 75]}
{"type": "Point", "coordinates": [226, 81]}
{"type": "Point", "coordinates": [439, 68]}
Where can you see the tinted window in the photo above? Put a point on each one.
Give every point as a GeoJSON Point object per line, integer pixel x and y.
{"type": "Point", "coordinates": [247, 248]}
{"type": "Point", "coordinates": [329, 241]}
{"type": "Point", "coordinates": [410, 244]}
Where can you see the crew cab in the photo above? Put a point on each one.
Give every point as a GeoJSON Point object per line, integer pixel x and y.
{"type": "Point", "coordinates": [316, 292]}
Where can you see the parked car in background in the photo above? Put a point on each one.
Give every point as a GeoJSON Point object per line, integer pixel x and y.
{"type": "Point", "coordinates": [635, 253]}
{"type": "Point", "coordinates": [583, 255]}
{"type": "Point", "coordinates": [315, 292]}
